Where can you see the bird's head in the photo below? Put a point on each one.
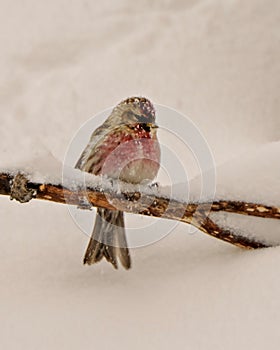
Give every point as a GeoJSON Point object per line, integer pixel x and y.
{"type": "Point", "coordinates": [136, 110]}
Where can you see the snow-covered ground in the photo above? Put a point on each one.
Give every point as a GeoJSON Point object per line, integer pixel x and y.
{"type": "Point", "coordinates": [216, 62]}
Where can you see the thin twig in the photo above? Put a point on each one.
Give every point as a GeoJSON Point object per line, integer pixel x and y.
{"type": "Point", "coordinates": [151, 205]}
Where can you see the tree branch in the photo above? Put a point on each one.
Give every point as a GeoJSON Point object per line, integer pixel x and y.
{"type": "Point", "coordinates": [150, 205]}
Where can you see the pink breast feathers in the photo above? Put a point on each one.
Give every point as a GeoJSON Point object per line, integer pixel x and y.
{"type": "Point", "coordinates": [131, 157]}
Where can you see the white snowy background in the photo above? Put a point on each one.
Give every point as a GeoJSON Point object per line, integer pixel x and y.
{"type": "Point", "coordinates": [218, 62]}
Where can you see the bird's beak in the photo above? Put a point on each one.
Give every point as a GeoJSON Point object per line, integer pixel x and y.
{"type": "Point", "coordinates": [152, 126]}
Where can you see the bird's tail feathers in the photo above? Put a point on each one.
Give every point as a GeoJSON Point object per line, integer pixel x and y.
{"type": "Point", "coordinates": [108, 239]}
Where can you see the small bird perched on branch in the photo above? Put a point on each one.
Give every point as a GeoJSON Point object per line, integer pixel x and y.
{"type": "Point", "coordinates": [124, 147]}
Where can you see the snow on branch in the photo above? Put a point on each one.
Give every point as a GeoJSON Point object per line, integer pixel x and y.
{"type": "Point", "coordinates": [21, 188]}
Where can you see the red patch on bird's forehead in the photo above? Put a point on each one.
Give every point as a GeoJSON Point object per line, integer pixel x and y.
{"type": "Point", "coordinates": [145, 105]}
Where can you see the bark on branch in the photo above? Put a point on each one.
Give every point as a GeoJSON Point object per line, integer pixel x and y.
{"type": "Point", "coordinates": [145, 204]}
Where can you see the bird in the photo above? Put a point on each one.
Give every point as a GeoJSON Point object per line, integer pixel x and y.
{"type": "Point", "coordinates": [126, 148]}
